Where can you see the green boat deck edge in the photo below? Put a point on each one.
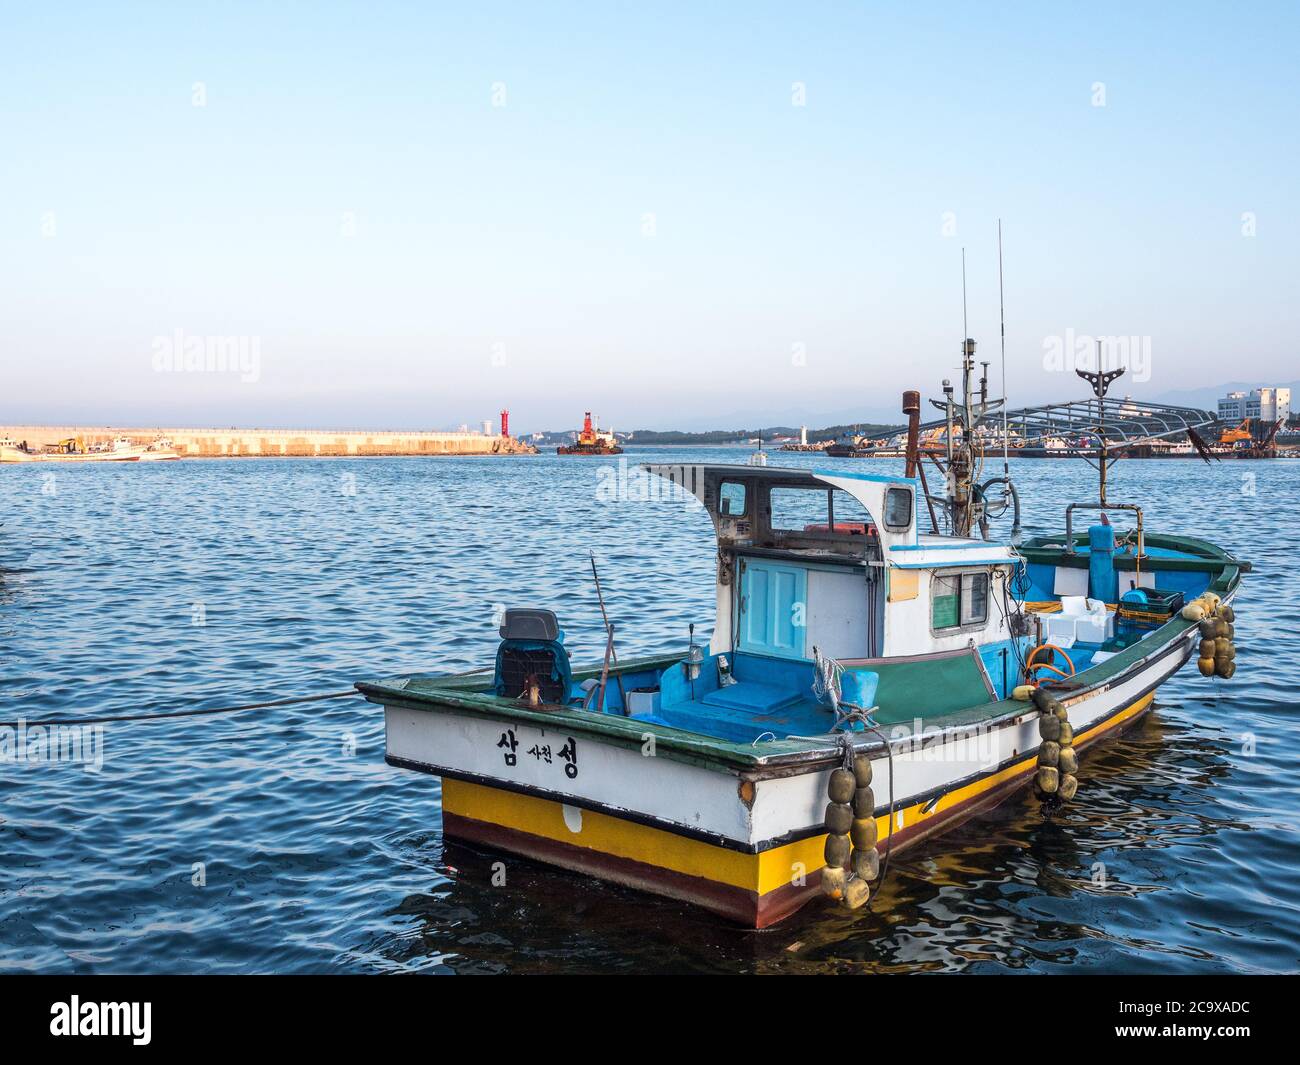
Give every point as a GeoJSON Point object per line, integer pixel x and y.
{"type": "Point", "coordinates": [468, 693]}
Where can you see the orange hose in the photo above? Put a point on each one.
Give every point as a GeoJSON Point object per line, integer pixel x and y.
{"type": "Point", "coordinates": [1052, 647]}
{"type": "Point", "coordinates": [1048, 665]}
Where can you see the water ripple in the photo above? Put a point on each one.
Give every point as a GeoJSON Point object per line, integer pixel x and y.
{"type": "Point", "coordinates": [282, 842]}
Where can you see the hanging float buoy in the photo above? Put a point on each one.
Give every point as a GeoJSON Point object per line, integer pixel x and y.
{"type": "Point", "coordinates": [839, 819]}
{"type": "Point", "coordinates": [1217, 651]}
{"type": "Point", "coordinates": [851, 835]}
{"type": "Point", "coordinates": [842, 786]}
{"type": "Point", "coordinates": [837, 850]}
{"type": "Point", "coordinates": [1057, 760]}
{"type": "Point", "coordinates": [834, 880]}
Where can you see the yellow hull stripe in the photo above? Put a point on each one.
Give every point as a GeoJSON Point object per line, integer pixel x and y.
{"type": "Point", "coordinates": [759, 873]}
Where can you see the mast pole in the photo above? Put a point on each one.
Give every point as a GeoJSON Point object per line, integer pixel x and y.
{"type": "Point", "coordinates": [1002, 318]}
{"type": "Point", "coordinates": [1101, 424]}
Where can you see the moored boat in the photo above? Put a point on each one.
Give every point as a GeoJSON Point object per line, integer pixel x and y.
{"type": "Point", "coordinates": [591, 441]}
{"type": "Point", "coordinates": [911, 678]}
{"type": "Point", "coordinates": [75, 450]}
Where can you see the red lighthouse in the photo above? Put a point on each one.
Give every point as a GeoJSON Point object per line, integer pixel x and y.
{"type": "Point", "coordinates": [505, 423]}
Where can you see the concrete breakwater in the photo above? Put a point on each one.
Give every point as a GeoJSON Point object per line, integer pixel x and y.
{"type": "Point", "coordinates": [263, 443]}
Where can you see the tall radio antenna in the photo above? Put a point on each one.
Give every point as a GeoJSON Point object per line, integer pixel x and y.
{"type": "Point", "coordinates": [965, 331]}
{"type": "Point", "coordinates": [1002, 319]}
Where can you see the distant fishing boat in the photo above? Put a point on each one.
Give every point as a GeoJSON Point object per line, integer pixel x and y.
{"type": "Point", "coordinates": [74, 450]}
{"type": "Point", "coordinates": [867, 684]}
{"type": "Point", "coordinates": [591, 441]}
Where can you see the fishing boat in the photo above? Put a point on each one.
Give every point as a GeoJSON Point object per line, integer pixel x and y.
{"type": "Point", "coordinates": [74, 449]}
{"type": "Point", "coordinates": [591, 441]}
{"type": "Point", "coordinates": [849, 445]}
{"type": "Point", "coordinates": [881, 668]}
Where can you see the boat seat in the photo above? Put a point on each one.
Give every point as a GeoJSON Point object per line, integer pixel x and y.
{"type": "Point", "coordinates": [532, 646]}
{"type": "Point", "coordinates": [751, 695]}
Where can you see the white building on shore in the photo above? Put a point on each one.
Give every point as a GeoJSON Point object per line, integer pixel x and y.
{"type": "Point", "coordinates": [1268, 405]}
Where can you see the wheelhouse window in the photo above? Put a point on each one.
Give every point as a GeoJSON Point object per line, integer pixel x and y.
{"type": "Point", "coordinates": [731, 499]}
{"type": "Point", "coordinates": [799, 509]}
{"type": "Point", "coordinates": [958, 600]}
{"type": "Point", "coordinates": [898, 509]}
{"type": "Point", "coordinates": [818, 513]}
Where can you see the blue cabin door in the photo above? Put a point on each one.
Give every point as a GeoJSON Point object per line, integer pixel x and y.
{"type": "Point", "coordinates": [773, 608]}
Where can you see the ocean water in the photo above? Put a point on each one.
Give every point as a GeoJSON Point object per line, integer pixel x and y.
{"type": "Point", "coordinates": [279, 841]}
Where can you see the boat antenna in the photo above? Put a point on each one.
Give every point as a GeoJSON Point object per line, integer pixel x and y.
{"type": "Point", "coordinates": [610, 653]}
{"type": "Point", "coordinates": [1002, 323]}
{"type": "Point", "coordinates": [965, 330]}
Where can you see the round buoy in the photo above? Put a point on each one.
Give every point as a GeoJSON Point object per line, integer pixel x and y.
{"type": "Point", "coordinates": [833, 881]}
{"type": "Point", "coordinates": [856, 893]}
{"type": "Point", "coordinates": [1206, 665]}
{"type": "Point", "coordinates": [1044, 700]}
{"type": "Point", "coordinates": [863, 832]}
{"type": "Point", "coordinates": [1207, 629]}
{"type": "Point", "coordinates": [1066, 736]}
{"type": "Point", "coordinates": [1069, 786]}
{"type": "Point", "coordinates": [864, 803]}
{"type": "Point", "coordinates": [862, 771]}
{"type": "Point", "coordinates": [1049, 728]}
{"type": "Point", "coordinates": [842, 786]}
{"type": "Point", "coordinates": [1224, 666]}
{"type": "Point", "coordinates": [1193, 612]}
{"type": "Point", "coordinates": [1207, 648]}
{"type": "Point", "coordinates": [1049, 753]}
{"type": "Point", "coordinates": [1048, 779]}
{"type": "Point", "coordinates": [837, 850]}
{"type": "Point", "coordinates": [1068, 761]}
{"type": "Point", "coordinates": [1022, 693]}
{"type": "Point", "coordinates": [839, 816]}
{"type": "Point", "coordinates": [866, 863]}
{"type": "Point", "coordinates": [1229, 615]}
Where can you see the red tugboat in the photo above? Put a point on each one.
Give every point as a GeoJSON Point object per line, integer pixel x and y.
{"type": "Point", "coordinates": [591, 441]}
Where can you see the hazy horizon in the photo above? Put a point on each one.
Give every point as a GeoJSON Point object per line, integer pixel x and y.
{"type": "Point", "coordinates": [678, 219]}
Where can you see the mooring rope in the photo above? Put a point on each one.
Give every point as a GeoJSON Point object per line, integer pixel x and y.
{"type": "Point", "coordinates": [117, 718]}
{"type": "Point", "coordinates": [171, 714]}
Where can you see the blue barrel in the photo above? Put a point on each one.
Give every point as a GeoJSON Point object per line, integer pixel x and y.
{"type": "Point", "coordinates": [1103, 583]}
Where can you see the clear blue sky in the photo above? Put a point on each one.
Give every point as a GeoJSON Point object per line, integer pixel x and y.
{"type": "Point", "coordinates": [406, 253]}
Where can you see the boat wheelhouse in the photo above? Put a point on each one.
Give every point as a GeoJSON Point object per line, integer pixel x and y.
{"type": "Point", "coordinates": [913, 678]}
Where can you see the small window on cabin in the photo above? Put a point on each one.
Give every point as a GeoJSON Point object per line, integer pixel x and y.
{"type": "Point", "coordinates": [974, 598]}
{"type": "Point", "coordinates": [731, 499]}
{"type": "Point", "coordinates": [959, 600]}
{"type": "Point", "coordinates": [799, 509]}
{"type": "Point", "coordinates": [898, 508]}
{"type": "Point", "coordinates": [945, 603]}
